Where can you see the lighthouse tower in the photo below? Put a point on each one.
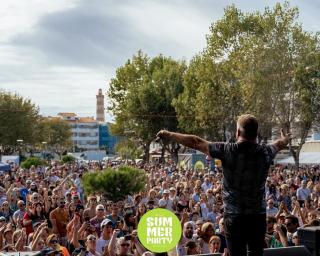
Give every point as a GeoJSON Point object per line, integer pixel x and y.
{"type": "Point", "coordinates": [100, 107]}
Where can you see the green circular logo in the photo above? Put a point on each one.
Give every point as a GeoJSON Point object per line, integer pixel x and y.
{"type": "Point", "coordinates": [159, 230]}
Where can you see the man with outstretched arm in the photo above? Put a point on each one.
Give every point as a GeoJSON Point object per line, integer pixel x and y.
{"type": "Point", "coordinates": [245, 169]}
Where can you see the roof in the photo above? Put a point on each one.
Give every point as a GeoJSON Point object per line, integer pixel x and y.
{"type": "Point", "coordinates": [305, 158]}
{"type": "Point", "coordinates": [87, 120]}
{"type": "Point", "coordinates": [66, 114]}
{"type": "Point", "coordinates": [54, 118]}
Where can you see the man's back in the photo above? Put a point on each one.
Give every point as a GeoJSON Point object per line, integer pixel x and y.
{"type": "Point", "coordinates": [245, 168]}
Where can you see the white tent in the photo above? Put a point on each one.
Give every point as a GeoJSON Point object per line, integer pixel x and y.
{"type": "Point", "coordinates": [305, 158]}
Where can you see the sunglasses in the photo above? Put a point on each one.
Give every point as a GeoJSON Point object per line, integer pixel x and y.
{"type": "Point", "coordinates": [100, 209]}
{"type": "Point", "coordinates": [53, 241]}
{"type": "Point", "coordinates": [125, 245]}
{"type": "Point", "coordinates": [92, 239]}
{"type": "Point", "coordinates": [2, 220]}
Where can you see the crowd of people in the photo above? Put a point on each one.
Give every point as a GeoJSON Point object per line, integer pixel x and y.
{"type": "Point", "coordinates": [45, 209]}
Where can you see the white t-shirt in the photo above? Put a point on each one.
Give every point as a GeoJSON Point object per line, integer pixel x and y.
{"type": "Point", "coordinates": [101, 244]}
{"type": "Point", "coordinates": [271, 211]}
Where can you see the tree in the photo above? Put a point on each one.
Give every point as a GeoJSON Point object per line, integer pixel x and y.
{"type": "Point", "coordinates": [116, 184]}
{"type": "Point", "coordinates": [68, 159]}
{"type": "Point", "coordinates": [270, 52]}
{"type": "Point", "coordinates": [141, 95]}
{"type": "Point", "coordinates": [257, 63]}
{"type": "Point", "coordinates": [32, 161]}
{"type": "Point", "coordinates": [208, 104]}
{"type": "Point", "coordinates": [19, 119]}
{"type": "Point", "coordinates": [127, 149]}
{"type": "Point", "coordinates": [57, 134]}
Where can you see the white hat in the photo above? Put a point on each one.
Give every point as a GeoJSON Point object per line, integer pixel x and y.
{"type": "Point", "coordinates": [106, 222]}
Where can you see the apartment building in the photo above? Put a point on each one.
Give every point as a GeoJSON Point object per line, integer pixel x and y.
{"type": "Point", "coordinates": [85, 131]}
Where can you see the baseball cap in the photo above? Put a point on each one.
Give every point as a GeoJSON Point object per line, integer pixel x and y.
{"type": "Point", "coordinates": [166, 191]}
{"type": "Point", "coordinates": [172, 189]}
{"type": "Point", "coordinates": [106, 222]}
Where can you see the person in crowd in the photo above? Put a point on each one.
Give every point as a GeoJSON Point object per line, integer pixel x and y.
{"type": "Point", "coordinates": [91, 242]}
{"type": "Point", "coordinates": [59, 219]}
{"type": "Point", "coordinates": [114, 216]}
{"type": "Point", "coordinates": [207, 231]}
{"type": "Point", "coordinates": [53, 243]}
{"type": "Point", "coordinates": [192, 248]}
{"type": "Point", "coordinates": [292, 225]}
{"type": "Point", "coordinates": [165, 201]}
{"type": "Point", "coordinates": [90, 211]}
{"type": "Point", "coordinates": [104, 240]}
{"type": "Point", "coordinates": [214, 244]}
{"type": "Point", "coordinates": [303, 192]}
{"type": "Point", "coordinates": [271, 210]}
{"type": "Point", "coordinates": [98, 218]}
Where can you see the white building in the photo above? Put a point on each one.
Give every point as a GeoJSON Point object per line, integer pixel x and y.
{"type": "Point", "coordinates": [85, 131]}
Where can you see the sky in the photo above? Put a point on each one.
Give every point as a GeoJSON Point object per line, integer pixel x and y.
{"type": "Point", "coordinates": [58, 53]}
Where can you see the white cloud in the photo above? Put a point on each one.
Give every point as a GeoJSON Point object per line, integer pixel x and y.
{"type": "Point", "coordinates": [58, 53]}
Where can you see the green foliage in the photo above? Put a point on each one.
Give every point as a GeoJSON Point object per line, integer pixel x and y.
{"type": "Point", "coordinates": [127, 149]}
{"type": "Point", "coordinates": [18, 119]}
{"type": "Point", "coordinates": [33, 161]}
{"type": "Point", "coordinates": [116, 184]}
{"type": "Point", "coordinates": [141, 97]}
{"type": "Point", "coordinates": [57, 134]}
{"type": "Point", "coordinates": [263, 63]}
{"type": "Point", "coordinates": [68, 159]}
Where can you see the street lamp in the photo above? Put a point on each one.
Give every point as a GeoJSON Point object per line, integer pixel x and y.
{"type": "Point", "coordinates": [44, 143]}
{"type": "Point", "coordinates": [19, 141]}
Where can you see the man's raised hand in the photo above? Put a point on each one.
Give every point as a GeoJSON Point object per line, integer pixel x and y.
{"type": "Point", "coordinates": [285, 137]}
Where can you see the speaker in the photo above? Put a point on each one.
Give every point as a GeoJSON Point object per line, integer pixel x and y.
{"type": "Point", "coordinates": [287, 251]}
{"type": "Point", "coordinates": [310, 238]}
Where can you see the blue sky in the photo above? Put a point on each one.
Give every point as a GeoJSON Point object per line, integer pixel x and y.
{"type": "Point", "coordinates": [59, 53]}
